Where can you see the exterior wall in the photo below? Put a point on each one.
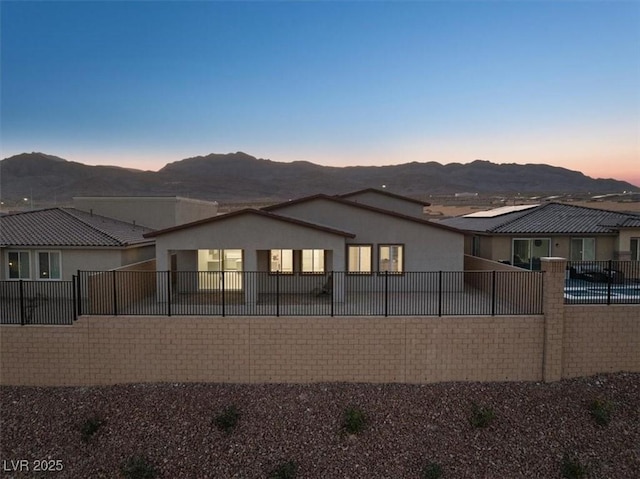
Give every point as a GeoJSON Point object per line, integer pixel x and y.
{"type": "Point", "coordinates": [499, 247]}
{"type": "Point", "coordinates": [600, 339]}
{"type": "Point", "coordinates": [250, 233]}
{"type": "Point", "coordinates": [427, 248]}
{"type": "Point", "coordinates": [568, 341]}
{"type": "Point", "coordinates": [71, 260]}
{"type": "Point", "coordinates": [390, 203]}
{"type": "Point", "coordinates": [150, 211]}
{"type": "Point", "coordinates": [108, 350]}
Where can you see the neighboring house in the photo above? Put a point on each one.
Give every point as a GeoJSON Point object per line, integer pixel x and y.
{"type": "Point", "coordinates": [521, 235]}
{"type": "Point", "coordinates": [307, 237]}
{"type": "Point", "coordinates": [388, 201]}
{"type": "Point", "coordinates": [53, 244]}
{"type": "Point", "coordinates": [156, 212]}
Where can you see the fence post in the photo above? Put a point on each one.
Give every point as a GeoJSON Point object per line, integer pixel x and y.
{"type": "Point", "coordinates": [21, 303]}
{"type": "Point", "coordinates": [115, 293]}
{"type": "Point", "coordinates": [493, 293]}
{"type": "Point", "coordinates": [386, 293]}
{"type": "Point", "coordinates": [223, 288]}
{"type": "Point", "coordinates": [332, 285]}
{"type": "Point", "coordinates": [278, 293]}
{"type": "Point", "coordinates": [168, 293]}
{"type": "Point", "coordinates": [74, 289]}
{"type": "Point", "coordinates": [439, 293]}
{"type": "Point", "coordinates": [79, 296]}
{"type": "Point", "coordinates": [609, 281]}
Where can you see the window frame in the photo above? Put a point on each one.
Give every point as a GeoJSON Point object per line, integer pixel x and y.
{"type": "Point", "coordinates": [635, 252]}
{"type": "Point", "coordinates": [401, 246]}
{"type": "Point", "coordinates": [271, 270]}
{"type": "Point", "coordinates": [582, 248]}
{"type": "Point", "coordinates": [49, 253]}
{"type": "Point", "coordinates": [19, 253]}
{"type": "Point", "coordinates": [314, 271]}
{"type": "Point", "coordinates": [371, 259]}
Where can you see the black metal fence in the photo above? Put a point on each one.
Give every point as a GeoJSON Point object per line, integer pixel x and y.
{"type": "Point", "coordinates": [38, 302]}
{"type": "Point", "coordinates": [602, 282]}
{"type": "Point", "coordinates": [250, 293]}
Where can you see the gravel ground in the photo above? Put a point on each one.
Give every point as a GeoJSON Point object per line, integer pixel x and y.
{"type": "Point", "coordinates": [173, 426]}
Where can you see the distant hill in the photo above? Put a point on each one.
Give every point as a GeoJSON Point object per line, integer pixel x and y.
{"type": "Point", "coordinates": [241, 177]}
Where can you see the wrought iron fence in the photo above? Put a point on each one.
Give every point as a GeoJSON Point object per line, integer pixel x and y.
{"type": "Point", "coordinates": [251, 293]}
{"type": "Point", "coordinates": [38, 302]}
{"type": "Point", "coordinates": [602, 282]}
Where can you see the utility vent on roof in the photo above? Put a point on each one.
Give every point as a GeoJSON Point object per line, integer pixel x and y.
{"type": "Point", "coordinates": [499, 211]}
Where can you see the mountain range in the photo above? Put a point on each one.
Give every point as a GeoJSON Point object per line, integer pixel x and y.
{"type": "Point", "coordinates": [242, 177]}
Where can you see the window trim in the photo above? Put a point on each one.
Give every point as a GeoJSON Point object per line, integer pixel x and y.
{"type": "Point", "coordinates": [582, 248]}
{"type": "Point", "coordinates": [371, 259]}
{"type": "Point", "coordinates": [28, 277]}
{"type": "Point", "coordinates": [293, 264]}
{"type": "Point", "coordinates": [49, 252]}
{"type": "Point", "coordinates": [396, 273]}
{"type": "Point", "coordinates": [301, 264]}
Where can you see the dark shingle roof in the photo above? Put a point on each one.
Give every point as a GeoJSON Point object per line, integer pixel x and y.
{"type": "Point", "coordinates": [67, 227]}
{"type": "Point", "coordinates": [550, 218]}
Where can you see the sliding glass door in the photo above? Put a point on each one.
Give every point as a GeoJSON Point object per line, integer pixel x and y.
{"type": "Point", "coordinates": [528, 251]}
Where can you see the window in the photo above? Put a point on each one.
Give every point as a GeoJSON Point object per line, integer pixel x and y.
{"type": "Point", "coordinates": [359, 259]}
{"type": "Point", "coordinates": [635, 249]}
{"type": "Point", "coordinates": [528, 251]}
{"type": "Point", "coordinates": [19, 267]}
{"type": "Point", "coordinates": [313, 261]}
{"type": "Point", "coordinates": [281, 261]}
{"type": "Point", "coordinates": [583, 249]}
{"type": "Point", "coordinates": [391, 258]}
{"type": "Point", "coordinates": [49, 265]}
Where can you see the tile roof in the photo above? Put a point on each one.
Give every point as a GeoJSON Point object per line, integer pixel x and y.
{"type": "Point", "coordinates": [384, 193]}
{"type": "Point", "coordinates": [555, 218]}
{"type": "Point", "coordinates": [67, 227]}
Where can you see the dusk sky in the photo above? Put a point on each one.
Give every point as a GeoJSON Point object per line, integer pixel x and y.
{"type": "Point", "coordinates": [332, 82]}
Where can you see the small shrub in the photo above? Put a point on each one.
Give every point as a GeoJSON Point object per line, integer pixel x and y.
{"type": "Point", "coordinates": [138, 467]}
{"type": "Point", "coordinates": [90, 427]}
{"type": "Point", "coordinates": [572, 468]}
{"type": "Point", "coordinates": [481, 416]}
{"type": "Point", "coordinates": [286, 470]}
{"type": "Point", "coordinates": [601, 411]}
{"type": "Point", "coordinates": [432, 470]}
{"type": "Point", "coordinates": [227, 419]}
{"type": "Point", "coordinates": [354, 420]}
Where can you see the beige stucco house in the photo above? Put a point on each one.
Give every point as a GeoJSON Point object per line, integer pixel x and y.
{"type": "Point", "coordinates": [307, 238]}
{"type": "Point", "coordinates": [53, 244]}
{"type": "Point", "coordinates": [521, 235]}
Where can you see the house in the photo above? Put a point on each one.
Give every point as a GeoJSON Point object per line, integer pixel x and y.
{"type": "Point", "coordinates": [522, 234]}
{"type": "Point", "coordinates": [155, 212]}
{"type": "Point", "coordinates": [309, 237]}
{"type": "Point", "coordinates": [53, 244]}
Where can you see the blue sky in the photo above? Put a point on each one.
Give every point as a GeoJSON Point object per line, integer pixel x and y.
{"type": "Point", "coordinates": [336, 83]}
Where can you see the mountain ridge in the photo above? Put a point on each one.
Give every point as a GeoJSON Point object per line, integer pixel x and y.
{"type": "Point", "coordinates": [240, 176]}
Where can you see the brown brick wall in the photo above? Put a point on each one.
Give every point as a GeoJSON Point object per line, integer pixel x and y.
{"type": "Point", "coordinates": [107, 350]}
{"type": "Point", "coordinates": [600, 339]}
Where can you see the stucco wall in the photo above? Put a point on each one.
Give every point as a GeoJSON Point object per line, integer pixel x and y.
{"type": "Point", "coordinates": [427, 248]}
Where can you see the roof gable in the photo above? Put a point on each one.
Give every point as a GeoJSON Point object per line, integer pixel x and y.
{"type": "Point", "coordinates": [383, 193]}
{"type": "Point", "coordinates": [361, 206]}
{"type": "Point", "coordinates": [250, 211]}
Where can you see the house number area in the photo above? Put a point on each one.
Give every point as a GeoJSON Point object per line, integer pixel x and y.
{"type": "Point", "coordinates": [35, 465]}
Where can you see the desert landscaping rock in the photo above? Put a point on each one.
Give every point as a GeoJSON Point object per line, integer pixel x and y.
{"type": "Point", "coordinates": [173, 426]}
